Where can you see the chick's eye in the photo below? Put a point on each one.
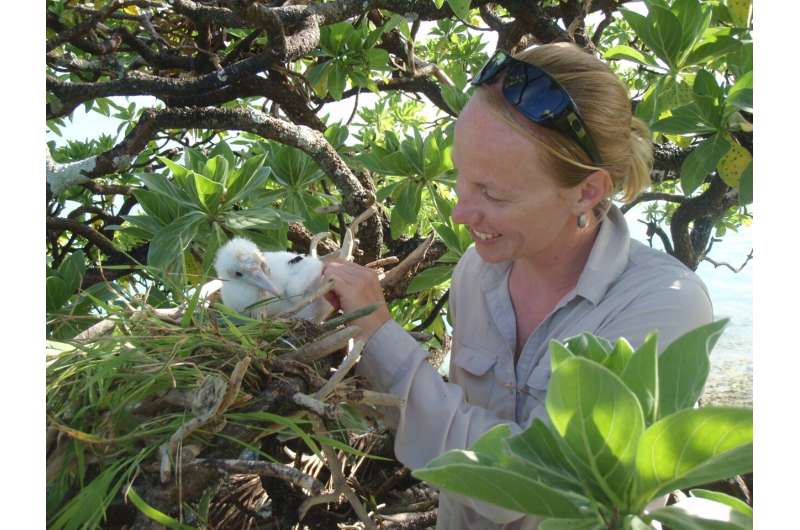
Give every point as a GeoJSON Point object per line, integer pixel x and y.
{"type": "Point", "coordinates": [239, 274]}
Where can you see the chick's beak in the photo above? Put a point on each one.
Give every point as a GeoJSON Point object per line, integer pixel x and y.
{"type": "Point", "coordinates": [259, 278]}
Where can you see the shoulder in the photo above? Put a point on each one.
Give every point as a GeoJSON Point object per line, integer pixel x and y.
{"type": "Point", "coordinates": [655, 292]}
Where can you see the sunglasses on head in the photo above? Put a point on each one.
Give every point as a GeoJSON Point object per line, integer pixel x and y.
{"type": "Point", "coordinates": [539, 97]}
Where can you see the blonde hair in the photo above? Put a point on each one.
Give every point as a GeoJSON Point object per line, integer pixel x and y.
{"type": "Point", "coordinates": [623, 140]}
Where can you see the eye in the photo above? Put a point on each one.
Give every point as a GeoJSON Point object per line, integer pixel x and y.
{"type": "Point", "coordinates": [486, 194]}
{"type": "Point", "coordinates": [239, 274]}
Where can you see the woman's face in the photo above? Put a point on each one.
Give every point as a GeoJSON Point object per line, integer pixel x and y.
{"type": "Point", "coordinates": [513, 209]}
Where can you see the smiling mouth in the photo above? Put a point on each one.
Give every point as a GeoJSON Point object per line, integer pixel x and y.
{"type": "Point", "coordinates": [484, 236]}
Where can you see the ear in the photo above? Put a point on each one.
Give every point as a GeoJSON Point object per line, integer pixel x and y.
{"type": "Point", "coordinates": [593, 189]}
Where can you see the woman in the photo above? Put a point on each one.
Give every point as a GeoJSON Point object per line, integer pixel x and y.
{"type": "Point", "coordinates": [545, 141]}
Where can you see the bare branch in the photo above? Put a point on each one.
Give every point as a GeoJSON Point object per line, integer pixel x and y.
{"type": "Point", "coordinates": [728, 265]}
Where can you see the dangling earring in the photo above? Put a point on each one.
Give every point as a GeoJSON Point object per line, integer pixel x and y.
{"type": "Point", "coordinates": [582, 220]}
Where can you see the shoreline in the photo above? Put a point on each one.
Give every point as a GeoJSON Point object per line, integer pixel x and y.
{"type": "Point", "coordinates": [729, 383]}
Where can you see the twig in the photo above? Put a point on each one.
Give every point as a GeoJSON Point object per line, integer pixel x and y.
{"type": "Point", "coordinates": [731, 267]}
{"type": "Point", "coordinates": [348, 362]}
{"type": "Point", "coordinates": [260, 468]}
{"type": "Point", "coordinates": [323, 346]}
{"type": "Point", "coordinates": [339, 482]}
{"type": "Point", "coordinates": [391, 260]}
{"type": "Point", "coordinates": [334, 323]}
{"type": "Point", "coordinates": [395, 275]}
{"type": "Point", "coordinates": [652, 196]}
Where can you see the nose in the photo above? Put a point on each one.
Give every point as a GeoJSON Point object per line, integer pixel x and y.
{"type": "Point", "coordinates": [464, 213]}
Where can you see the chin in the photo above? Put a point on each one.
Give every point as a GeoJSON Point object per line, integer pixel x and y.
{"type": "Point", "coordinates": [491, 255]}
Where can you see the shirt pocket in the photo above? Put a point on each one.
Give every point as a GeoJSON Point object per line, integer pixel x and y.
{"type": "Point", "coordinates": [474, 374]}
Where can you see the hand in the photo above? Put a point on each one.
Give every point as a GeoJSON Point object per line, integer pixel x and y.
{"type": "Point", "coordinates": [355, 287]}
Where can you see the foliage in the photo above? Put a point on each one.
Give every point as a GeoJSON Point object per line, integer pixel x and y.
{"type": "Point", "coordinates": [173, 185]}
{"type": "Point", "coordinates": [621, 432]}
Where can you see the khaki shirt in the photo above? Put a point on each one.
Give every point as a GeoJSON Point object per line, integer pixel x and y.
{"type": "Point", "coordinates": [625, 290]}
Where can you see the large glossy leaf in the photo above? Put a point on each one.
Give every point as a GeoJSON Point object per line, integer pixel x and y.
{"type": "Point", "coordinates": [599, 418]}
{"type": "Point", "coordinates": [72, 270]}
{"type": "Point", "coordinates": [701, 514]}
{"type": "Point", "coordinates": [159, 184]}
{"type": "Point", "coordinates": [475, 475]}
{"type": "Point", "coordinates": [168, 245]}
{"type": "Point", "coordinates": [666, 34]}
{"type": "Point", "coordinates": [641, 376]}
{"type": "Point", "coordinates": [265, 218]}
{"type": "Point", "coordinates": [156, 205]}
{"type": "Point", "coordinates": [702, 161]}
{"type": "Point", "coordinates": [539, 449]}
{"type": "Point", "coordinates": [683, 367]}
{"type": "Point", "coordinates": [694, 18]}
{"type": "Point", "coordinates": [687, 119]}
{"type": "Point", "coordinates": [430, 277]}
{"type": "Point", "coordinates": [691, 447]}
{"type": "Point", "coordinates": [57, 293]}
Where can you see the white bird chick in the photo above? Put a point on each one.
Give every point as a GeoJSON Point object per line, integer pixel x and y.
{"type": "Point", "coordinates": [244, 274]}
{"type": "Point", "coordinates": [250, 276]}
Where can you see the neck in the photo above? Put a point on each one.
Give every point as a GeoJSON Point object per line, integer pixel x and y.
{"type": "Point", "coordinates": [557, 268]}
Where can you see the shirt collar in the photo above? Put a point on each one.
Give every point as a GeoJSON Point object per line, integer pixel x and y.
{"type": "Point", "coordinates": [607, 260]}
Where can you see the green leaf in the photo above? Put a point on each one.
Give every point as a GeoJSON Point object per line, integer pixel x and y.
{"type": "Point", "coordinates": [429, 278]}
{"type": "Point", "coordinates": [620, 356]}
{"type": "Point", "coordinates": [687, 119]}
{"type": "Point", "coordinates": [701, 514]}
{"type": "Point", "coordinates": [159, 184]}
{"type": "Point", "coordinates": [538, 450]}
{"type": "Point", "coordinates": [593, 523]}
{"type": "Point", "coordinates": [460, 8]}
{"type": "Point", "coordinates": [216, 169]}
{"type": "Point", "coordinates": [740, 95]}
{"type": "Point", "coordinates": [208, 191]}
{"type": "Point", "coordinates": [262, 218]}
{"type": "Point", "coordinates": [708, 96]}
{"type": "Point", "coordinates": [337, 79]}
{"type": "Point", "coordinates": [733, 502]}
{"type": "Point", "coordinates": [72, 270]}
{"type": "Point", "coordinates": [587, 345]}
{"type": "Point", "coordinates": [683, 367]}
{"type": "Point", "coordinates": [176, 169]}
{"type": "Point", "coordinates": [155, 515]}
{"type": "Point", "coordinates": [641, 376]}
{"type": "Point", "coordinates": [156, 205]}
{"type": "Point", "coordinates": [448, 235]}
{"type": "Point", "coordinates": [168, 245]}
{"type": "Point", "coordinates": [712, 49]}
{"type": "Point", "coordinates": [476, 475]}
{"type": "Point", "coordinates": [455, 98]}
{"type": "Point", "coordinates": [630, 54]}
{"type": "Point", "coordinates": [600, 419]}
{"type": "Point", "coordinates": [693, 446]}
{"type": "Point", "coordinates": [694, 19]}
{"type": "Point", "coordinates": [558, 354]}
{"type": "Point", "coordinates": [56, 292]}
{"type": "Point", "coordinates": [701, 162]}
{"type": "Point", "coordinates": [224, 150]}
